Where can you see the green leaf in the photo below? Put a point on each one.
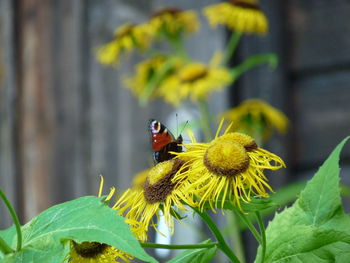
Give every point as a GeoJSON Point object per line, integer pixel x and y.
{"type": "Point", "coordinates": [281, 198]}
{"type": "Point", "coordinates": [7, 235]}
{"type": "Point", "coordinates": [199, 255]}
{"type": "Point", "coordinates": [252, 62]}
{"type": "Point", "coordinates": [315, 228]}
{"type": "Point", "coordinates": [46, 237]}
{"type": "Point", "coordinates": [256, 204]}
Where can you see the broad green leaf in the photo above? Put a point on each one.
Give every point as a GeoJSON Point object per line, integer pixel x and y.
{"type": "Point", "coordinates": [283, 197]}
{"type": "Point", "coordinates": [83, 219]}
{"type": "Point", "coordinates": [315, 228]}
{"type": "Point", "coordinates": [199, 255]}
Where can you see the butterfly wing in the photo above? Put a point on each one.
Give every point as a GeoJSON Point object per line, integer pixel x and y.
{"type": "Point", "coordinates": [163, 142]}
{"type": "Point", "coordinates": [160, 135]}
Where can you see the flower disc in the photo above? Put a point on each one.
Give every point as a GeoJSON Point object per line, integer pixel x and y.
{"type": "Point", "coordinates": [158, 184]}
{"type": "Point", "coordinates": [226, 158]}
{"type": "Point", "coordinates": [242, 139]}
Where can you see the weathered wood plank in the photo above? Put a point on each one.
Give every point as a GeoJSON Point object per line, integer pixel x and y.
{"type": "Point", "coordinates": [319, 33]}
{"type": "Point", "coordinates": [120, 143]}
{"type": "Point", "coordinates": [7, 110]}
{"type": "Point", "coordinates": [71, 139]}
{"type": "Point", "coordinates": [36, 111]}
{"type": "Point", "coordinates": [322, 116]}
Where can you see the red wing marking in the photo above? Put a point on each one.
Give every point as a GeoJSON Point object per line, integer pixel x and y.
{"type": "Point", "coordinates": [160, 135]}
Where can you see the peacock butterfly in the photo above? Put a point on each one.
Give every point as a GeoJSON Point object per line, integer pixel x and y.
{"type": "Point", "coordinates": [163, 142]}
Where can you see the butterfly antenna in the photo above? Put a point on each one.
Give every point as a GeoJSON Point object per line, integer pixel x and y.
{"type": "Point", "coordinates": [177, 124]}
{"type": "Point", "coordinates": [184, 126]}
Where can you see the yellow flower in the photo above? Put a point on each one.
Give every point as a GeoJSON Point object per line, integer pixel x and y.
{"type": "Point", "coordinates": [93, 252]}
{"type": "Point", "coordinates": [241, 15]}
{"type": "Point", "coordinates": [150, 73]}
{"type": "Point", "coordinates": [257, 118]}
{"type": "Point", "coordinates": [139, 179]}
{"type": "Point", "coordinates": [171, 22]}
{"type": "Point", "coordinates": [195, 81]}
{"type": "Point", "coordinates": [231, 167]}
{"type": "Point", "coordinates": [159, 193]}
{"type": "Point", "coordinates": [126, 38]}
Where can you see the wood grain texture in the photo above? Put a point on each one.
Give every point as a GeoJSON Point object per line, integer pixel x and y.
{"type": "Point", "coordinates": [318, 33]}
{"type": "Point", "coordinates": [7, 111]}
{"type": "Point", "coordinates": [35, 110]}
{"type": "Point", "coordinates": [119, 137]}
{"type": "Point", "coordinates": [70, 101]}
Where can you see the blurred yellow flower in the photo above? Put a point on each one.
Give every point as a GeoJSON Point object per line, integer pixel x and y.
{"type": "Point", "coordinates": [195, 81]}
{"type": "Point", "coordinates": [126, 38]}
{"type": "Point", "coordinates": [257, 118]}
{"type": "Point", "coordinates": [229, 168]}
{"type": "Point", "coordinates": [243, 16]}
{"type": "Point", "coordinates": [159, 193]}
{"type": "Point", "coordinates": [93, 252]}
{"type": "Point", "coordinates": [150, 73]}
{"type": "Point", "coordinates": [172, 22]}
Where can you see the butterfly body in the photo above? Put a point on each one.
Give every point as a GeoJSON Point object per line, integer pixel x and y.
{"type": "Point", "coordinates": [163, 142]}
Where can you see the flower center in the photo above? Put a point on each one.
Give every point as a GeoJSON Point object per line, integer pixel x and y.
{"type": "Point", "coordinates": [124, 30]}
{"type": "Point", "coordinates": [251, 4]}
{"type": "Point", "coordinates": [193, 72]}
{"type": "Point", "coordinates": [226, 158]}
{"type": "Point", "coordinates": [171, 11]}
{"type": "Point", "coordinates": [89, 249]}
{"type": "Point", "coordinates": [242, 139]}
{"type": "Point", "coordinates": [158, 184]}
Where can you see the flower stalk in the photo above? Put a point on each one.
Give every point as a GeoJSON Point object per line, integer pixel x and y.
{"type": "Point", "coordinates": [231, 46]}
{"type": "Point", "coordinates": [205, 119]}
{"type": "Point", "coordinates": [236, 235]}
{"type": "Point", "coordinates": [15, 220]}
{"type": "Point", "coordinates": [184, 246]}
{"type": "Point", "coordinates": [221, 241]}
{"type": "Point", "coordinates": [252, 62]}
{"type": "Point", "coordinates": [249, 225]}
{"type": "Point", "coordinates": [263, 235]}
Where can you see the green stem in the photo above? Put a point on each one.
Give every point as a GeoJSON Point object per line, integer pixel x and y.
{"type": "Point", "coordinates": [222, 243]}
{"type": "Point", "coordinates": [263, 234]}
{"type": "Point", "coordinates": [205, 119]}
{"type": "Point", "coordinates": [4, 247]}
{"type": "Point", "coordinates": [155, 80]}
{"type": "Point", "coordinates": [250, 226]}
{"type": "Point", "coordinates": [235, 234]}
{"type": "Point", "coordinates": [190, 246]}
{"type": "Point", "coordinates": [14, 218]}
{"type": "Point", "coordinates": [231, 46]}
{"type": "Point", "coordinates": [253, 62]}
{"type": "Point", "coordinates": [177, 44]}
